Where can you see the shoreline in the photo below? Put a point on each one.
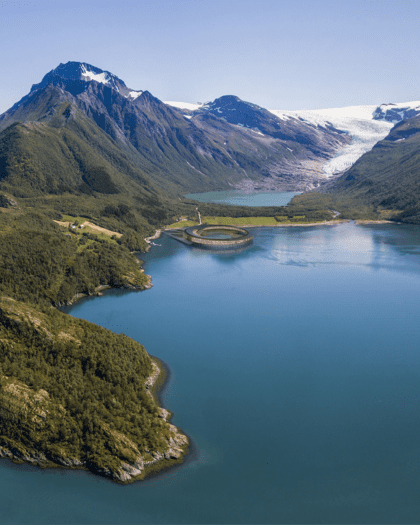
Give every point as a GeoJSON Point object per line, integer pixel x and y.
{"type": "Point", "coordinates": [178, 445]}
{"type": "Point", "coordinates": [149, 240]}
{"type": "Point", "coordinates": [98, 292]}
{"type": "Point", "coordinates": [305, 224]}
{"type": "Point", "coordinates": [324, 223]}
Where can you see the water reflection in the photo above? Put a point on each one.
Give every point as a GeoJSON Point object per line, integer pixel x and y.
{"type": "Point", "coordinates": [369, 246]}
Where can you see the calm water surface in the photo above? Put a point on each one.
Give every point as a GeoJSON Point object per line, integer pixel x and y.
{"type": "Point", "coordinates": [245, 199]}
{"type": "Point", "coordinates": [295, 370]}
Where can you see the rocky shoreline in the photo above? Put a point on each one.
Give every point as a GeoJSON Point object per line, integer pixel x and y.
{"type": "Point", "coordinates": [151, 461]}
{"type": "Point", "coordinates": [101, 288]}
{"type": "Point", "coordinates": [127, 471]}
{"type": "Point", "coordinates": [149, 240]}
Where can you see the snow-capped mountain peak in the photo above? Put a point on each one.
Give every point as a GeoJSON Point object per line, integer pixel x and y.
{"type": "Point", "coordinates": [365, 124]}
{"type": "Point", "coordinates": [397, 112]}
{"type": "Point", "coordinates": [79, 73]}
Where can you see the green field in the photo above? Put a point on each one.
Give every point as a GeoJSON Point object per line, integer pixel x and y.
{"type": "Point", "coordinates": [242, 221]}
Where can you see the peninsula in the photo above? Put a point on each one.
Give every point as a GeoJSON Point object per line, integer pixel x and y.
{"type": "Point", "coordinates": [75, 395]}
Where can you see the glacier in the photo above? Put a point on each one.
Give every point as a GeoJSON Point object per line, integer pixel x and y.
{"type": "Point", "coordinates": [357, 121]}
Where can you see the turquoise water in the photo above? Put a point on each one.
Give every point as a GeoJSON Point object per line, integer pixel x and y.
{"type": "Point", "coordinates": [244, 199]}
{"type": "Point", "coordinates": [294, 369]}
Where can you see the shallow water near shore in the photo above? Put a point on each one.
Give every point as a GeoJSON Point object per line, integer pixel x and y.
{"type": "Point", "coordinates": [295, 370]}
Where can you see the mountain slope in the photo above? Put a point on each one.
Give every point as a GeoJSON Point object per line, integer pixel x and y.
{"type": "Point", "coordinates": [158, 139]}
{"type": "Point", "coordinates": [39, 159]}
{"type": "Point", "coordinates": [318, 140]}
{"type": "Point", "coordinates": [275, 153]}
{"type": "Point", "coordinates": [389, 175]}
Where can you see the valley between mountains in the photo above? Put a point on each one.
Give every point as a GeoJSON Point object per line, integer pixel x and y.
{"type": "Point", "coordinates": [82, 148]}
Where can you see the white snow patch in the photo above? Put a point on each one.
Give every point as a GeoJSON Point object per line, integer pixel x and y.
{"type": "Point", "coordinates": [282, 115]}
{"type": "Point", "coordinates": [134, 94]}
{"type": "Point", "coordinates": [102, 78]}
{"type": "Point", "coordinates": [185, 105]}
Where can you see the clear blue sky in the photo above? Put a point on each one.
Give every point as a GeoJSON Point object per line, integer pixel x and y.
{"type": "Point", "coordinates": [294, 54]}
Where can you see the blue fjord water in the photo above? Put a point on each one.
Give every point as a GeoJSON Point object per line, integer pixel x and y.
{"type": "Point", "coordinates": [295, 371]}
{"type": "Point", "coordinates": [238, 198]}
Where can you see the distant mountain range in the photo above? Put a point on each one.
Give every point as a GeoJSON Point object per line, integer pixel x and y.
{"type": "Point", "coordinates": [365, 125]}
{"type": "Point", "coordinates": [81, 129]}
{"type": "Point", "coordinates": [224, 144]}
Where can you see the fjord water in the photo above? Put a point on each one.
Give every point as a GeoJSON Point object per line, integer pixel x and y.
{"type": "Point", "coordinates": [237, 198]}
{"type": "Point", "coordinates": [295, 371]}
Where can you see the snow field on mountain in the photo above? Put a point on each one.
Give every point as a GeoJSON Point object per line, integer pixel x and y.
{"type": "Point", "coordinates": [356, 121]}
{"type": "Point", "coordinates": [185, 105]}
{"type": "Point", "coordinates": [102, 78]}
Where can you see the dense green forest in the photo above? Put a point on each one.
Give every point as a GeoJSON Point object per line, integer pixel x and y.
{"type": "Point", "coordinates": [41, 262]}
